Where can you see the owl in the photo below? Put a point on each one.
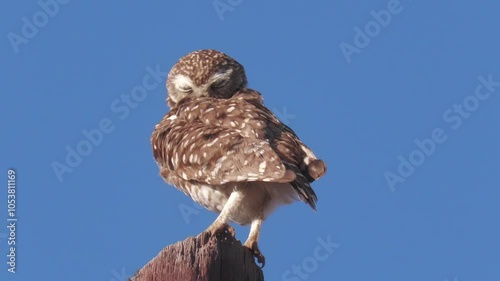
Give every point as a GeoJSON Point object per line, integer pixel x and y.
{"type": "Point", "coordinates": [222, 147]}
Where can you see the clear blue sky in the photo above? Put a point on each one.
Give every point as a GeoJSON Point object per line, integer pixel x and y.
{"type": "Point", "coordinates": [404, 111]}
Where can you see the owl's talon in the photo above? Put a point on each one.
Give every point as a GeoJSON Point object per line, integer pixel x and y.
{"type": "Point", "coordinates": [219, 228]}
{"type": "Point", "coordinates": [231, 230]}
{"type": "Point", "coordinates": [256, 253]}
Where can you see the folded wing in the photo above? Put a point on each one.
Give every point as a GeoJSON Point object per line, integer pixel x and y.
{"type": "Point", "coordinates": [216, 141]}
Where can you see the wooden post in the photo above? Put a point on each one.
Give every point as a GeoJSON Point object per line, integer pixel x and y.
{"type": "Point", "coordinates": [202, 258]}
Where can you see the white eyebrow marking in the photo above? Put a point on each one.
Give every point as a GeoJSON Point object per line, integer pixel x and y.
{"type": "Point", "coordinates": [180, 81]}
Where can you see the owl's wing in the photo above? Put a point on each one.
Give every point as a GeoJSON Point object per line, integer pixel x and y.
{"type": "Point", "coordinates": [214, 154]}
{"type": "Point", "coordinates": [294, 154]}
{"type": "Point", "coordinates": [217, 141]}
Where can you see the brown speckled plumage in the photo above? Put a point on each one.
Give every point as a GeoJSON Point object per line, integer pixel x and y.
{"type": "Point", "coordinates": [221, 146]}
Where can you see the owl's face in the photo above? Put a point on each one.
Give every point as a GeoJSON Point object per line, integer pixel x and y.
{"type": "Point", "coordinates": [205, 73]}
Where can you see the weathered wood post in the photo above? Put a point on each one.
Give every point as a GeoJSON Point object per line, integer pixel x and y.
{"type": "Point", "coordinates": [202, 258]}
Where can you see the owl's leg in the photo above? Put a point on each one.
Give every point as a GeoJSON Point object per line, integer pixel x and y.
{"type": "Point", "coordinates": [221, 223]}
{"type": "Point", "coordinates": [251, 242]}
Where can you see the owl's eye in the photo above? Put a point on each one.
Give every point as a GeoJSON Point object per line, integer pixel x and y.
{"type": "Point", "coordinates": [186, 89]}
{"type": "Point", "coordinates": [219, 83]}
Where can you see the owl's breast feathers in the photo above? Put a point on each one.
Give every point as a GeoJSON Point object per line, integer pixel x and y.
{"type": "Point", "coordinates": [216, 141]}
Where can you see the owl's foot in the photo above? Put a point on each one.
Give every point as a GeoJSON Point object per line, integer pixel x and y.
{"type": "Point", "coordinates": [218, 228]}
{"type": "Point", "coordinates": [252, 246]}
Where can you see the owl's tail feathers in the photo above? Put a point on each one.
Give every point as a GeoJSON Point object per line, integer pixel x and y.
{"type": "Point", "coordinates": [305, 191]}
{"type": "Point", "coordinates": [316, 169]}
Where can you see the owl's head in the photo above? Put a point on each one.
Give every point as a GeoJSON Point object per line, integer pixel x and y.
{"type": "Point", "coordinates": [205, 73]}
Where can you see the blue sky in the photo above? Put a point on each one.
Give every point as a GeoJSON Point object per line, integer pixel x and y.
{"type": "Point", "coordinates": [400, 99]}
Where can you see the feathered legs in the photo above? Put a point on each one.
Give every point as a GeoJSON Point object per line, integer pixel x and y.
{"type": "Point", "coordinates": [220, 224]}
{"type": "Point", "coordinates": [251, 242]}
